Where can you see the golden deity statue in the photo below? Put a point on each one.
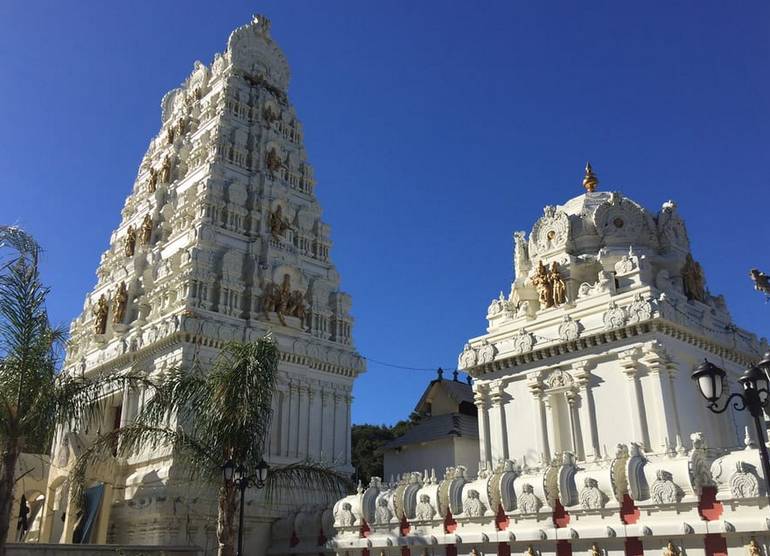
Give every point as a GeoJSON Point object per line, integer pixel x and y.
{"type": "Point", "coordinates": [146, 230]}
{"type": "Point", "coordinates": [692, 279]}
{"type": "Point", "coordinates": [670, 550]}
{"type": "Point", "coordinates": [590, 181]}
{"type": "Point", "coordinates": [119, 304]}
{"type": "Point", "coordinates": [272, 160]}
{"type": "Point", "coordinates": [558, 288]}
{"type": "Point", "coordinates": [278, 224]}
{"type": "Point", "coordinates": [100, 312]}
{"type": "Point", "coordinates": [129, 243]}
{"type": "Point", "coordinates": [542, 283]}
{"type": "Point", "coordinates": [753, 548]}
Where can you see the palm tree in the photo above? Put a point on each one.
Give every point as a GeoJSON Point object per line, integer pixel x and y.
{"type": "Point", "coordinates": [34, 398]}
{"type": "Point", "coordinates": [212, 416]}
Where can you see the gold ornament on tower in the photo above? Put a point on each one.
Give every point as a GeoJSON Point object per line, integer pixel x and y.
{"type": "Point", "coordinates": [558, 288]}
{"type": "Point", "coordinates": [129, 244]}
{"type": "Point", "coordinates": [146, 231]}
{"type": "Point", "coordinates": [670, 550]}
{"type": "Point", "coordinates": [590, 181]}
{"type": "Point", "coordinates": [100, 312]}
{"type": "Point", "coordinates": [753, 548]}
{"type": "Point", "coordinates": [119, 304]}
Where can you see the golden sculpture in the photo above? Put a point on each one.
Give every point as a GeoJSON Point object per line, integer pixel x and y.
{"type": "Point", "coordinates": [543, 285]}
{"type": "Point", "coordinates": [146, 230]}
{"type": "Point", "coordinates": [119, 304]}
{"type": "Point", "coordinates": [590, 181]}
{"type": "Point", "coordinates": [670, 550]}
{"type": "Point", "coordinates": [558, 288]}
{"type": "Point", "coordinates": [692, 279]}
{"type": "Point", "coordinates": [152, 184]}
{"type": "Point", "coordinates": [272, 161]}
{"type": "Point", "coordinates": [129, 243]}
{"type": "Point", "coordinates": [100, 312]}
{"type": "Point", "coordinates": [595, 550]}
{"type": "Point", "coordinates": [170, 135]}
{"type": "Point", "coordinates": [753, 548]}
{"type": "Point", "coordinates": [283, 301]}
{"type": "Point", "coordinates": [165, 172]}
{"type": "Point", "coordinates": [530, 551]}
{"type": "Point", "coordinates": [278, 224]}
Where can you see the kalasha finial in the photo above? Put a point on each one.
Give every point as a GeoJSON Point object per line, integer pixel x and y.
{"type": "Point", "coordinates": [590, 181]}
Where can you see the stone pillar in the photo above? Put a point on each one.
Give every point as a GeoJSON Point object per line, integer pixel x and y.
{"type": "Point", "coordinates": [539, 417]}
{"type": "Point", "coordinates": [302, 432]}
{"type": "Point", "coordinates": [340, 420]}
{"type": "Point", "coordinates": [480, 399]}
{"type": "Point", "coordinates": [499, 429]}
{"type": "Point", "coordinates": [574, 425]}
{"type": "Point", "coordinates": [311, 426]}
{"type": "Point", "coordinates": [292, 447]}
{"type": "Point", "coordinates": [590, 436]}
{"type": "Point", "coordinates": [629, 364]}
{"type": "Point", "coordinates": [103, 521]}
{"type": "Point", "coordinates": [285, 418]}
{"type": "Point", "coordinates": [348, 402]}
{"type": "Point", "coordinates": [550, 425]}
{"type": "Point", "coordinates": [657, 362]}
{"type": "Point", "coordinates": [327, 426]}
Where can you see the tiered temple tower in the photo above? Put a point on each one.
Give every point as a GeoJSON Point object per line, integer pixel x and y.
{"type": "Point", "coordinates": [221, 239]}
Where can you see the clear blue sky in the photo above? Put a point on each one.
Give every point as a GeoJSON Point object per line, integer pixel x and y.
{"type": "Point", "coordinates": [436, 129]}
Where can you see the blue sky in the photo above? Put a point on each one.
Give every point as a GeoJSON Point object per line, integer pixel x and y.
{"type": "Point", "coordinates": [436, 129]}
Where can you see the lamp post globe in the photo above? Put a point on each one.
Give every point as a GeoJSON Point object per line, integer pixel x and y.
{"type": "Point", "coordinates": [262, 470]}
{"type": "Point", "coordinates": [228, 468]}
{"type": "Point", "coordinates": [764, 364]}
{"type": "Point", "coordinates": [710, 380]}
{"type": "Point", "coordinates": [755, 381]}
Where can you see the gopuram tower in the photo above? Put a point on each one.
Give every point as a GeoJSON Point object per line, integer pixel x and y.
{"type": "Point", "coordinates": [220, 239]}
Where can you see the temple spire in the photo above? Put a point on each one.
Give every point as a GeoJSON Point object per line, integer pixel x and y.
{"type": "Point", "coordinates": [590, 181]}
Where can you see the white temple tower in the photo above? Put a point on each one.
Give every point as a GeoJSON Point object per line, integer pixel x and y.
{"type": "Point", "coordinates": [221, 239]}
{"type": "Point", "coordinates": [593, 438]}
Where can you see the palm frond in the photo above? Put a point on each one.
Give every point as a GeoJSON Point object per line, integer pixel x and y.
{"type": "Point", "coordinates": [295, 480]}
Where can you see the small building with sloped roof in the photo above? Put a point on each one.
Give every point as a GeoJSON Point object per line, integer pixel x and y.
{"type": "Point", "coordinates": [446, 434]}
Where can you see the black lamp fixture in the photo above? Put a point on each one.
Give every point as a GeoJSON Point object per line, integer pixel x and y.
{"type": "Point", "coordinates": [238, 475]}
{"type": "Point", "coordinates": [755, 398]}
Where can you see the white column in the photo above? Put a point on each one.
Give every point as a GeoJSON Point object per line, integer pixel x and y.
{"type": "Point", "coordinates": [304, 406]}
{"type": "Point", "coordinates": [312, 423]}
{"type": "Point", "coordinates": [667, 419]}
{"type": "Point", "coordinates": [539, 417]}
{"type": "Point", "coordinates": [285, 420]}
{"type": "Point", "coordinates": [499, 430]}
{"type": "Point", "coordinates": [348, 426]}
{"type": "Point", "coordinates": [550, 425]}
{"type": "Point", "coordinates": [293, 444]}
{"type": "Point", "coordinates": [327, 428]}
{"type": "Point", "coordinates": [587, 411]}
{"type": "Point", "coordinates": [480, 399]}
{"type": "Point", "coordinates": [574, 426]}
{"type": "Point", "coordinates": [628, 361]}
{"type": "Point", "coordinates": [340, 421]}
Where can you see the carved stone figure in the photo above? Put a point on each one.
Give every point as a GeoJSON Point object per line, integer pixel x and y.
{"type": "Point", "coordinates": [569, 329]}
{"type": "Point", "coordinates": [268, 115]}
{"type": "Point", "coordinates": [663, 490]}
{"type": "Point", "coordinates": [119, 304]}
{"type": "Point", "coordinates": [529, 503]}
{"type": "Point", "coordinates": [670, 550]}
{"type": "Point", "coordinates": [558, 288]}
{"type": "Point", "coordinates": [146, 230]}
{"type": "Point", "coordinates": [692, 279]}
{"type": "Point", "coordinates": [521, 255]}
{"type": "Point", "coordinates": [296, 305]}
{"type": "Point", "coordinates": [639, 310]}
{"type": "Point", "coordinates": [743, 483]}
{"type": "Point", "coordinates": [486, 353]}
{"type": "Point", "coordinates": [278, 224]}
{"type": "Point", "coordinates": [129, 242]}
{"type": "Point", "coordinates": [625, 265]}
{"type": "Point", "coordinates": [100, 312]}
{"type": "Point", "coordinates": [424, 510]}
{"type": "Point", "coordinates": [468, 357]}
{"type": "Point", "coordinates": [753, 548]}
{"type": "Point", "coordinates": [382, 514]}
{"type": "Point", "coordinates": [272, 160]}
{"type": "Point", "coordinates": [165, 171]}
{"type": "Point", "coordinates": [523, 342]}
{"type": "Point", "coordinates": [591, 498]}
{"type": "Point", "coordinates": [595, 550]}
{"type": "Point", "coordinates": [283, 301]}
{"type": "Point", "coordinates": [614, 316]}
{"type": "Point", "coordinates": [542, 283]}
{"type": "Point", "coordinates": [345, 515]}
{"type": "Point", "coordinates": [473, 506]}
{"type": "Point", "coordinates": [152, 183]}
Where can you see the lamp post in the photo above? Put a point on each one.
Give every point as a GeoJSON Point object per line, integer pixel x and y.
{"type": "Point", "coordinates": [755, 398]}
{"type": "Point", "coordinates": [237, 474]}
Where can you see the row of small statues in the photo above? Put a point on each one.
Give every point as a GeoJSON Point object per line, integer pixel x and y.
{"type": "Point", "coordinates": [145, 236]}
{"type": "Point", "coordinates": [283, 300]}
{"type": "Point", "coordinates": [551, 289]}
{"type": "Point", "coordinates": [119, 304]}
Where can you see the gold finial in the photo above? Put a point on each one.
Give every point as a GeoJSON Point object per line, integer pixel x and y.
{"type": "Point", "coordinates": [590, 181]}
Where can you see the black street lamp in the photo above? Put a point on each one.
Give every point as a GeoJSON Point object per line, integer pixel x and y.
{"type": "Point", "coordinates": [754, 398]}
{"type": "Point", "coordinates": [237, 474]}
